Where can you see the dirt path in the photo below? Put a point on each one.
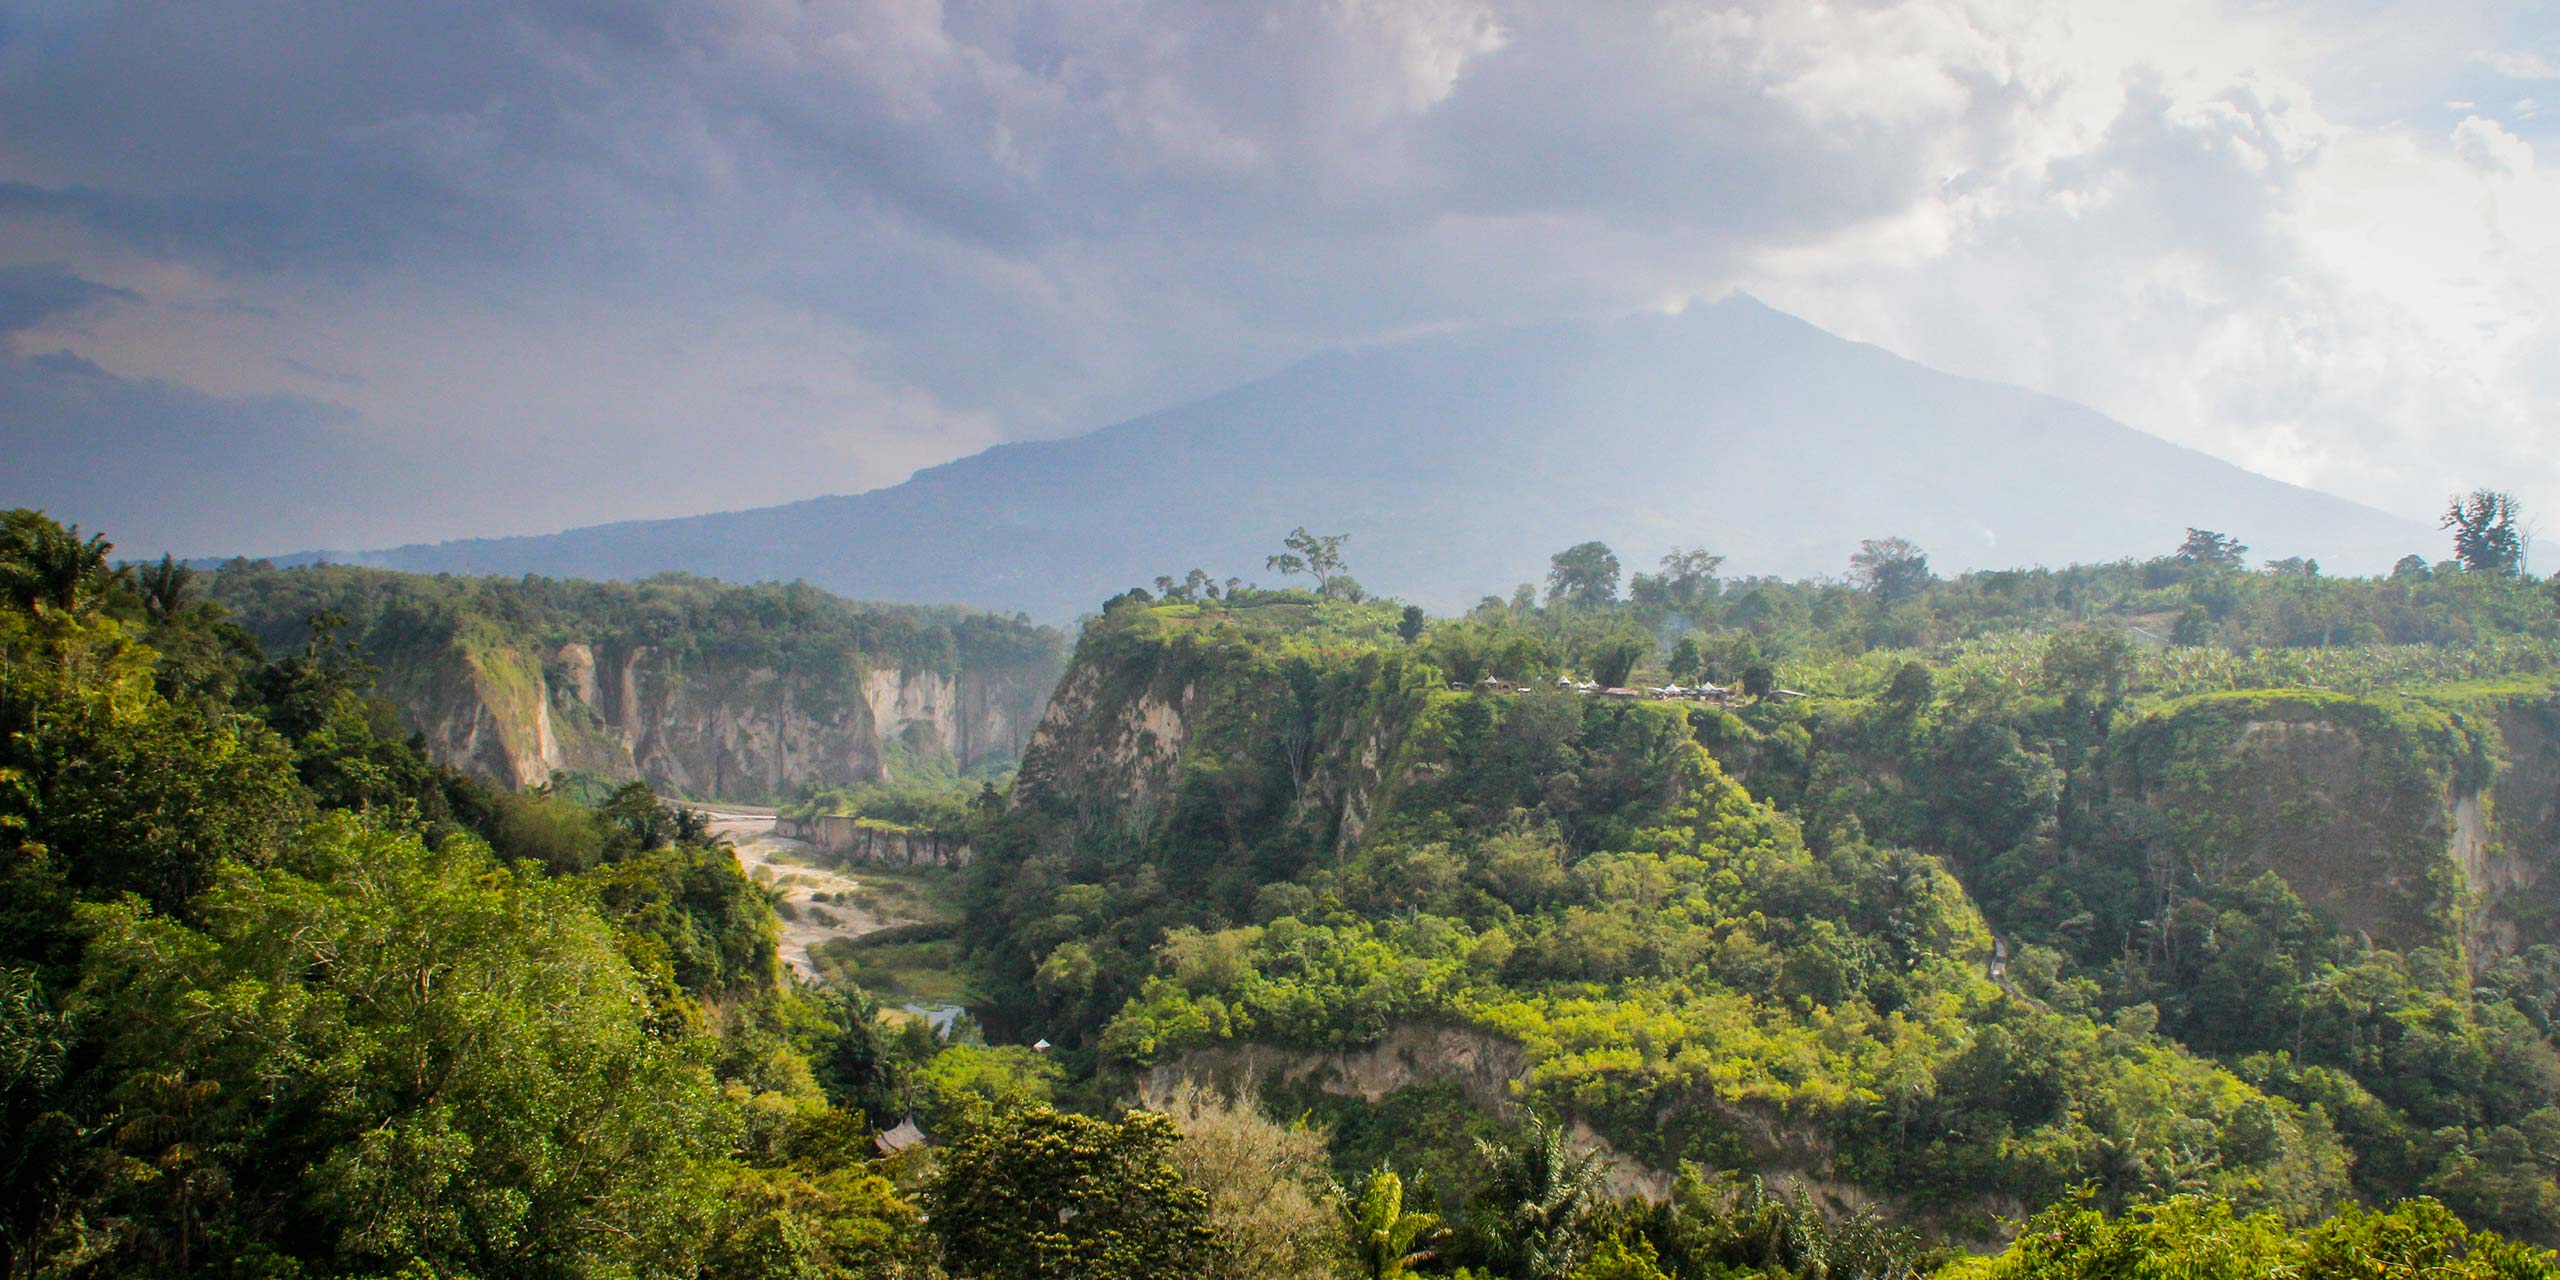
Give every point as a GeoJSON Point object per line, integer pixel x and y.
{"type": "Point", "coordinates": [789, 865]}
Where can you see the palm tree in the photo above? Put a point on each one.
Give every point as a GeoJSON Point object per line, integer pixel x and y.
{"type": "Point", "coordinates": [47, 565]}
{"type": "Point", "coordinates": [1383, 1235]}
{"type": "Point", "coordinates": [1535, 1211]}
{"type": "Point", "coordinates": [1761, 1231]}
{"type": "Point", "coordinates": [166, 587]}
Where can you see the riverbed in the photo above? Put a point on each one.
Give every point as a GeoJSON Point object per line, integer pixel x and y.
{"type": "Point", "coordinates": [822, 902]}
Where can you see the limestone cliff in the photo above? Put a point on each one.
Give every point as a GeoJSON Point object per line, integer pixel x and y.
{"type": "Point", "coordinates": [2507, 839]}
{"type": "Point", "coordinates": [697, 726]}
{"type": "Point", "coordinates": [701, 689]}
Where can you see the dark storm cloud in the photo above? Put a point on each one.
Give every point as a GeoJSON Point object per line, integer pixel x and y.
{"type": "Point", "coordinates": [609, 230]}
{"type": "Point", "coordinates": [291, 134]}
{"type": "Point", "coordinates": [117, 455]}
{"type": "Point", "coordinates": [31, 293]}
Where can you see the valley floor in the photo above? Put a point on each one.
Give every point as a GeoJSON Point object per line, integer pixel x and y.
{"type": "Point", "coordinates": [818, 905]}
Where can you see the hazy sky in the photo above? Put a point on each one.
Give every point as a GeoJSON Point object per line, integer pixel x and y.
{"type": "Point", "coordinates": [279, 274]}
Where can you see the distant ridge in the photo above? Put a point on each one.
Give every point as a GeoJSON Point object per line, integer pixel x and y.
{"type": "Point", "coordinates": [1460, 462]}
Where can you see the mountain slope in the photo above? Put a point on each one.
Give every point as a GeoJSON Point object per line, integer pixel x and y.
{"type": "Point", "coordinates": [1460, 462]}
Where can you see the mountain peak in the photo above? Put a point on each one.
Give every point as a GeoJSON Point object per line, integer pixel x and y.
{"type": "Point", "coordinates": [1458, 461]}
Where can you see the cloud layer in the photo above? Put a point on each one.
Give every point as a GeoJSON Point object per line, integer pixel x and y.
{"type": "Point", "coordinates": [379, 274]}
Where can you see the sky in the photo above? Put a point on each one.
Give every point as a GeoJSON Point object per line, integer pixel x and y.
{"type": "Point", "coordinates": [284, 274]}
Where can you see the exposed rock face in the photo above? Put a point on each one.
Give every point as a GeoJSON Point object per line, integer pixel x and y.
{"type": "Point", "coordinates": [705, 729]}
{"type": "Point", "coordinates": [2323, 794]}
{"type": "Point", "coordinates": [1493, 1072]}
{"type": "Point", "coordinates": [2416, 825]}
{"type": "Point", "coordinates": [1098, 740]}
{"type": "Point", "coordinates": [1121, 730]}
{"type": "Point", "coordinates": [876, 843]}
{"type": "Point", "coordinates": [2508, 841]}
{"type": "Point", "coordinates": [706, 690]}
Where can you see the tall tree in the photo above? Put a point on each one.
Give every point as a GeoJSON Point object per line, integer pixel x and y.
{"type": "Point", "coordinates": [167, 588]}
{"type": "Point", "coordinates": [1410, 624]}
{"type": "Point", "coordinates": [1687, 659]}
{"type": "Point", "coordinates": [1689, 577]}
{"type": "Point", "coordinates": [1584, 576]}
{"type": "Point", "coordinates": [1271, 1200]}
{"type": "Point", "coordinates": [1616, 658]}
{"type": "Point", "coordinates": [1534, 1215]}
{"type": "Point", "coordinates": [1895, 569]}
{"type": "Point", "coordinates": [1042, 1195]}
{"type": "Point", "coordinates": [49, 565]}
{"type": "Point", "coordinates": [1319, 556]}
{"type": "Point", "coordinates": [2487, 537]}
{"type": "Point", "coordinates": [2208, 549]}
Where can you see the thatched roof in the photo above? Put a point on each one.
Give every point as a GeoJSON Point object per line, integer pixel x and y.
{"type": "Point", "coordinates": [899, 1139]}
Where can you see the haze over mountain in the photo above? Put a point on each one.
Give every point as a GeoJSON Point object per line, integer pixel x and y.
{"type": "Point", "coordinates": [1459, 462]}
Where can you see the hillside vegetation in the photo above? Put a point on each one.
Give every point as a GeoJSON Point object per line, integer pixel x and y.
{"type": "Point", "coordinates": [1361, 944]}
{"type": "Point", "coordinates": [2264, 853]}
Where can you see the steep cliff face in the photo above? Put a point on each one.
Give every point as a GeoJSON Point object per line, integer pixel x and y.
{"type": "Point", "coordinates": [1106, 733]}
{"type": "Point", "coordinates": [696, 726]}
{"type": "Point", "coordinates": [1217, 735]}
{"type": "Point", "coordinates": [979, 714]}
{"type": "Point", "coordinates": [2430, 820]}
{"type": "Point", "coordinates": [702, 689]}
{"type": "Point", "coordinates": [2508, 840]}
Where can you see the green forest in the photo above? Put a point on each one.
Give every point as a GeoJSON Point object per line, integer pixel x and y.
{"type": "Point", "coordinates": [2180, 917]}
{"type": "Point", "coordinates": [771, 624]}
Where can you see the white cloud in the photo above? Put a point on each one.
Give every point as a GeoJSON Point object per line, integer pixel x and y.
{"type": "Point", "coordinates": [2485, 145]}
{"type": "Point", "coordinates": [2519, 64]}
{"type": "Point", "coordinates": [2231, 265]}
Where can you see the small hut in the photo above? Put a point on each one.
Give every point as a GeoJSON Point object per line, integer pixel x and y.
{"type": "Point", "coordinates": [905, 1136]}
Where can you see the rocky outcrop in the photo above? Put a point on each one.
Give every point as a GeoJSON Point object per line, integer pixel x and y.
{"type": "Point", "coordinates": [1491, 1071]}
{"type": "Point", "coordinates": [880, 844]}
{"type": "Point", "coordinates": [1099, 739]}
{"type": "Point", "coordinates": [974, 716]}
{"type": "Point", "coordinates": [1136, 711]}
{"type": "Point", "coordinates": [1494, 1074]}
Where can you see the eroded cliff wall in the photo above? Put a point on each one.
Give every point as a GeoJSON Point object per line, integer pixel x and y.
{"type": "Point", "coordinates": [702, 689]}
{"type": "Point", "coordinates": [2427, 820]}
{"type": "Point", "coordinates": [697, 726]}
{"type": "Point", "coordinates": [1213, 733]}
